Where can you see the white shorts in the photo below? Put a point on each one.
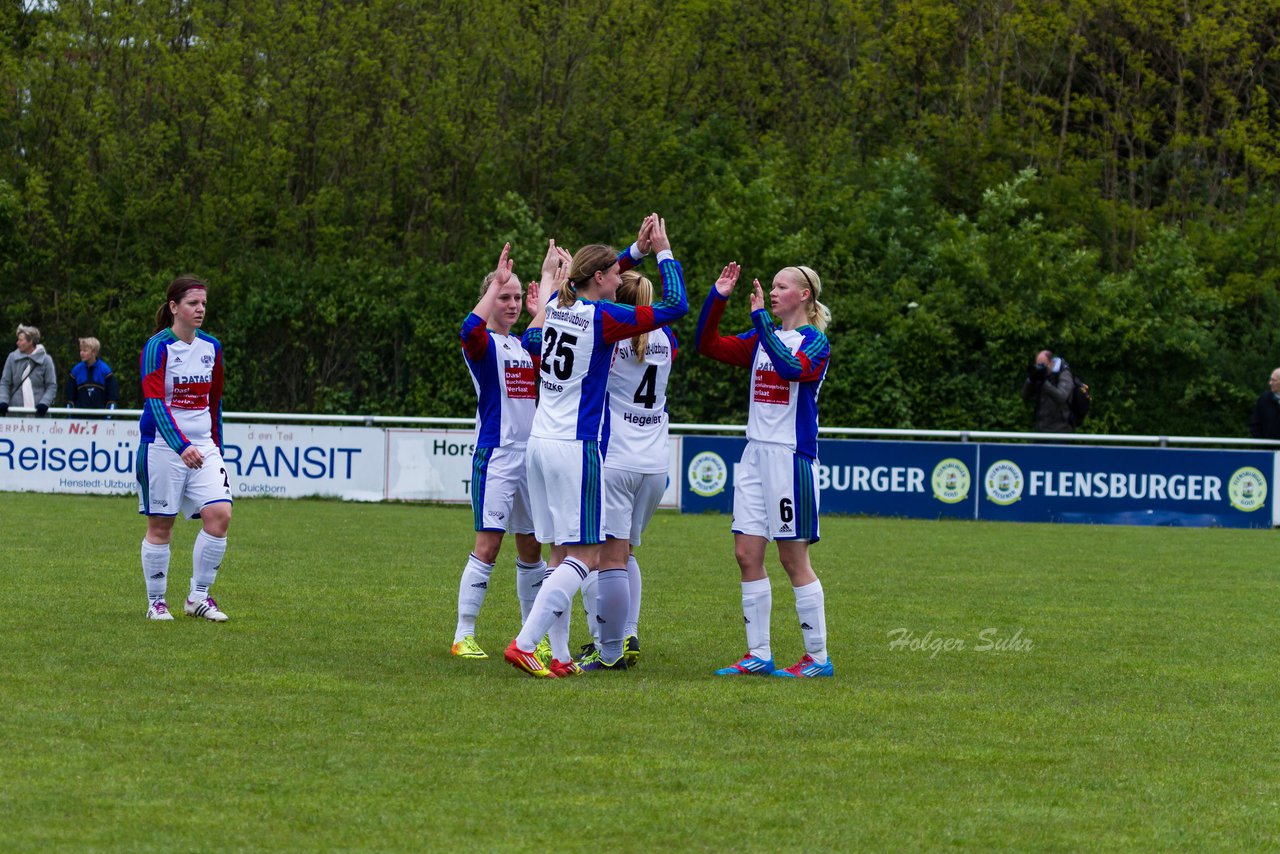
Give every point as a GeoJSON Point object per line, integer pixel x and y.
{"type": "Point", "coordinates": [775, 494]}
{"type": "Point", "coordinates": [630, 499]}
{"type": "Point", "coordinates": [166, 487]}
{"type": "Point", "coordinates": [564, 491]}
{"type": "Point", "coordinates": [499, 490]}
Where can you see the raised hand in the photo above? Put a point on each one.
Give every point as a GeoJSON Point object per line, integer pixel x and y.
{"type": "Point", "coordinates": [757, 296]}
{"type": "Point", "coordinates": [644, 238]}
{"type": "Point", "coordinates": [658, 235]}
{"type": "Point", "coordinates": [531, 302]}
{"type": "Point", "coordinates": [502, 273]}
{"type": "Point", "coordinates": [552, 260]}
{"type": "Point", "coordinates": [728, 279]}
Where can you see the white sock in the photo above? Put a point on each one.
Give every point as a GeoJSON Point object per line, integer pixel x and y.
{"type": "Point", "coordinates": [633, 614]}
{"type": "Point", "coordinates": [757, 602]}
{"type": "Point", "coordinates": [614, 595]}
{"type": "Point", "coordinates": [558, 634]}
{"type": "Point", "coordinates": [206, 557]}
{"type": "Point", "coordinates": [554, 598]}
{"type": "Point", "coordinates": [528, 580]}
{"type": "Point", "coordinates": [471, 590]}
{"type": "Point", "coordinates": [155, 569]}
{"type": "Point", "coordinates": [591, 605]}
{"type": "Point", "coordinates": [812, 610]}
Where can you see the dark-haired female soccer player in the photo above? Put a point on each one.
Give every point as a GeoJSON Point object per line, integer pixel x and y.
{"type": "Point", "coordinates": [180, 468]}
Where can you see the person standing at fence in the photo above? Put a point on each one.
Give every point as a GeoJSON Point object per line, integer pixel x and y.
{"type": "Point", "coordinates": [564, 458]}
{"type": "Point", "coordinates": [29, 378]}
{"type": "Point", "coordinates": [1265, 423]}
{"type": "Point", "coordinates": [1049, 385]}
{"type": "Point", "coordinates": [505, 377]}
{"type": "Point", "coordinates": [92, 384]}
{"type": "Point", "coordinates": [775, 493]}
{"type": "Point", "coordinates": [635, 459]}
{"type": "Point", "coordinates": [180, 467]}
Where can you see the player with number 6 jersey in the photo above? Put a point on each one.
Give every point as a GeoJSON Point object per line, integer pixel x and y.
{"type": "Point", "coordinates": [775, 493]}
{"type": "Point", "coordinates": [579, 330]}
{"type": "Point", "coordinates": [180, 467]}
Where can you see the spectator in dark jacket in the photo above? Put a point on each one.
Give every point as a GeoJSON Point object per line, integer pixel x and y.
{"type": "Point", "coordinates": [1049, 385]}
{"type": "Point", "coordinates": [92, 385]}
{"type": "Point", "coordinates": [1265, 423]}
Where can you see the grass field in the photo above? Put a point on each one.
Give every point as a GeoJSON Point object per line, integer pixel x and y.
{"type": "Point", "coordinates": [328, 713]}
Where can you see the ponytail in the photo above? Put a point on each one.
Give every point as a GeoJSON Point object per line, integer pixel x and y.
{"type": "Point", "coordinates": [636, 290]}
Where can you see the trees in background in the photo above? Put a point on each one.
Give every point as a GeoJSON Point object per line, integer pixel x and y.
{"type": "Point", "coordinates": [974, 181]}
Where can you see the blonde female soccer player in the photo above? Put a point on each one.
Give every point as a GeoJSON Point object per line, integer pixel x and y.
{"type": "Point", "coordinates": [564, 459]}
{"type": "Point", "coordinates": [775, 494]}
{"type": "Point", "coordinates": [635, 459]}
{"type": "Point", "coordinates": [180, 468]}
{"type": "Point", "coordinates": [505, 379]}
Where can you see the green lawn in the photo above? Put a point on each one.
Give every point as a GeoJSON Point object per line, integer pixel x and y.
{"type": "Point", "coordinates": [328, 714]}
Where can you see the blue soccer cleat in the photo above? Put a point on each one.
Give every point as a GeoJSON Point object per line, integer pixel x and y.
{"type": "Point", "coordinates": [748, 666]}
{"type": "Point", "coordinates": [807, 668]}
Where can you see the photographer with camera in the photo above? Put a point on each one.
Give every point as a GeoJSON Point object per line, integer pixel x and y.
{"type": "Point", "coordinates": [1049, 385]}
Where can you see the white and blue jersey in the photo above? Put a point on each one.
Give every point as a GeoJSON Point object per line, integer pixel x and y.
{"type": "Point", "coordinates": [577, 350]}
{"type": "Point", "coordinates": [182, 391]}
{"type": "Point", "coordinates": [787, 370]}
{"type": "Point", "coordinates": [505, 379]}
{"type": "Point", "coordinates": [637, 427]}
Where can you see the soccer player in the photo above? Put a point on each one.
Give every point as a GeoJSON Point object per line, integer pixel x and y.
{"type": "Point", "coordinates": [775, 494]}
{"type": "Point", "coordinates": [505, 378]}
{"type": "Point", "coordinates": [636, 455]}
{"type": "Point", "coordinates": [564, 458]}
{"type": "Point", "coordinates": [180, 468]}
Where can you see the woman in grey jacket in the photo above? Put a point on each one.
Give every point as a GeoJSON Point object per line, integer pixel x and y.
{"type": "Point", "coordinates": [29, 378]}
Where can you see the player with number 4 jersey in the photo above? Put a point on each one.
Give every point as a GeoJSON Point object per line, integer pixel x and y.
{"type": "Point", "coordinates": [775, 493]}
{"type": "Point", "coordinates": [635, 459]}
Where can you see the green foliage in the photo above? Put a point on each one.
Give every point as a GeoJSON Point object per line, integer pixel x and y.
{"type": "Point", "coordinates": [1100, 179]}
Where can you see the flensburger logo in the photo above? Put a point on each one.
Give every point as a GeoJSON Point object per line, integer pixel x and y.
{"type": "Point", "coordinates": [707, 474]}
{"type": "Point", "coordinates": [951, 481]}
{"type": "Point", "coordinates": [1004, 482]}
{"type": "Point", "coordinates": [1247, 489]}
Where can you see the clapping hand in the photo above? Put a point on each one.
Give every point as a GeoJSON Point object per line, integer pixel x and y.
{"type": "Point", "coordinates": [728, 279]}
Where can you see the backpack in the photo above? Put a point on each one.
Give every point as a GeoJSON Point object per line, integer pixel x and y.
{"type": "Point", "coordinates": [1080, 400]}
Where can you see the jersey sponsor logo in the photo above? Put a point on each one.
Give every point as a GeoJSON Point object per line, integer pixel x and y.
{"type": "Point", "coordinates": [190, 396]}
{"type": "Point", "coordinates": [771, 388]}
{"type": "Point", "coordinates": [707, 474]}
{"type": "Point", "coordinates": [521, 381]}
